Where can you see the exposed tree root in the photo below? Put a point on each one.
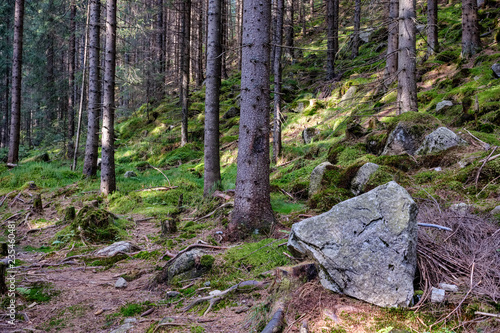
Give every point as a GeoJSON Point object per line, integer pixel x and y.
{"type": "Point", "coordinates": [276, 322]}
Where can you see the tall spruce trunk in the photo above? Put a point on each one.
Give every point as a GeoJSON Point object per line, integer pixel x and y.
{"type": "Point", "coordinates": [278, 37]}
{"type": "Point", "coordinates": [4, 136]}
{"type": "Point", "coordinates": [108, 179]}
{"type": "Point", "coordinates": [288, 28]}
{"type": "Point", "coordinates": [94, 98]}
{"type": "Point", "coordinates": [71, 80]}
{"type": "Point", "coordinates": [471, 43]}
{"type": "Point", "coordinates": [357, 25]}
{"type": "Point", "coordinates": [185, 41]}
{"type": "Point", "coordinates": [252, 205]}
{"type": "Point", "coordinates": [407, 85]}
{"type": "Point", "coordinates": [432, 27]}
{"type": "Point", "coordinates": [391, 61]}
{"type": "Point", "coordinates": [212, 160]}
{"type": "Point", "coordinates": [332, 36]}
{"type": "Point", "coordinates": [17, 62]}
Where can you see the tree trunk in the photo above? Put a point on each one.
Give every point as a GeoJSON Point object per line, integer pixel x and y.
{"type": "Point", "coordinates": [252, 205]}
{"type": "Point", "coordinates": [278, 37]}
{"type": "Point", "coordinates": [185, 39]}
{"type": "Point", "coordinates": [17, 61]}
{"type": "Point", "coordinates": [432, 28]}
{"type": "Point", "coordinates": [4, 138]}
{"type": "Point", "coordinates": [357, 24]}
{"type": "Point", "coordinates": [212, 160]}
{"type": "Point", "coordinates": [407, 85]}
{"type": "Point", "coordinates": [71, 80]}
{"type": "Point", "coordinates": [108, 180]}
{"type": "Point", "coordinates": [94, 102]}
{"type": "Point", "coordinates": [288, 29]}
{"type": "Point", "coordinates": [332, 36]}
{"type": "Point", "coordinates": [159, 51]}
{"type": "Point", "coordinates": [391, 62]}
{"type": "Point", "coordinates": [471, 43]}
{"type": "Point", "coordinates": [200, 53]}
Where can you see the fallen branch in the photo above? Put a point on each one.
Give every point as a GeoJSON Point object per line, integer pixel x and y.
{"type": "Point", "coordinates": [494, 315]}
{"type": "Point", "coordinates": [230, 203]}
{"type": "Point", "coordinates": [287, 194]}
{"type": "Point", "coordinates": [43, 228]}
{"type": "Point", "coordinates": [429, 225]}
{"type": "Point", "coordinates": [213, 299]}
{"type": "Point", "coordinates": [481, 168]}
{"type": "Point", "coordinates": [15, 199]}
{"type": "Point", "coordinates": [162, 174]}
{"type": "Point", "coordinates": [160, 188]}
{"type": "Point", "coordinates": [144, 220]}
{"type": "Point", "coordinates": [483, 144]}
{"type": "Point", "coordinates": [222, 195]}
{"type": "Point", "coordinates": [276, 322]}
{"type": "Point", "coordinates": [5, 197]}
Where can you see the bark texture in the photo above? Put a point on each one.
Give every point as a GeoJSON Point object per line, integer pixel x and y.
{"type": "Point", "coordinates": [212, 160]}
{"type": "Point", "coordinates": [108, 179]}
{"type": "Point", "coordinates": [332, 32]}
{"type": "Point", "coordinates": [94, 99]}
{"type": "Point", "coordinates": [17, 62]}
{"type": "Point", "coordinates": [252, 205]}
{"type": "Point", "coordinates": [407, 85]}
{"type": "Point", "coordinates": [278, 38]}
{"type": "Point", "coordinates": [391, 62]}
{"type": "Point", "coordinates": [71, 79]}
{"type": "Point", "coordinates": [185, 40]}
{"type": "Point", "coordinates": [471, 43]}
{"type": "Point", "coordinates": [357, 24]}
{"type": "Point", "coordinates": [432, 28]}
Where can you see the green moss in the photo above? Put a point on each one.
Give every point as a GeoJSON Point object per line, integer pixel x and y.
{"type": "Point", "coordinates": [134, 309]}
{"type": "Point", "coordinates": [183, 154]}
{"type": "Point", "coordinates": [39, 292]}
{"type": "Point", "coordinates": [106, 262]}
{"type": "Point", "coordinates": [207, 261]}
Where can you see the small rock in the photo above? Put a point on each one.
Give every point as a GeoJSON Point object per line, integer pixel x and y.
{"type": "Point", "coordinates": [365, 35]}
{"type": "Point", "coordinates": [460, 208]}
{"type": "Point", "coordinates": [207, 284]}
{"type": "Point", "coordinates": [121, 283]}
{"type": "Point", "coordinates": [448, 287]}
{"type": "Point", "coordinates": [437, 295]}
{"type": "Point", "coordinates": [308, 134]}
{"type": "Point", "coordinates": [215, 292]}
{"type": "Point", "coordinates": [495, 210]}
{"type": "Point", "coordinates": [130, 320]}
{"type": "Point", "coordinates": [114, 248]}
{"type": "Point", "coordinates": [443, 104]}
{"type": "Point", "coordinates": [172, 294]}
{"type": "Point", "coordinates": [123, 329]}
{"type": "Point", "coordinates": [438, 169]}
{"type": "Point", "coordinates": [496, 70]}
{"type": "Point", "coordinates": [362, 177]}
{"type": "Point", "coordinates": [317, 176]}
{"type": "Point", "coordinates": [439, 140]}
{"type": "Point", "coordinates": [463, 164]}
{"type": "Point", "coordinates": [130, 174]}
{"type": "Point", "coordinates": [300, 107]}
{"type": "Point", "coordinates": [347, 98]}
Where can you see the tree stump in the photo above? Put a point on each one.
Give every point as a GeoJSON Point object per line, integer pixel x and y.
{"type": "Point", "coordinates": [37, 204]}
{"type": "Point", "coordinates": [169, 226]}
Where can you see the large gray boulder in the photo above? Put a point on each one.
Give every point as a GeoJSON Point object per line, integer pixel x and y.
{"type": "Point", "coordinates": [317, 176]}
{"type": "Point", "coordinates": [439, 140]}
{"type": "Point", "coordinates": [443, 104]}
{"type": "Point", "coordinates": [308, 134]}
{"type": "Point", "coordinates": [115, 248]}
{"type": "Point", "coordinates": [402, 140]}
{"type": "Point", "coordinates": [496, 70]}
{"type": "Point", "coordinates": [362, 177]}
{"type": "Point", "coordinates": [366, 246]}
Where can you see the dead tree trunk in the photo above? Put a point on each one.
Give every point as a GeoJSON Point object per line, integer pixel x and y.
{"type": "Point", "coordinates": [278, 37]}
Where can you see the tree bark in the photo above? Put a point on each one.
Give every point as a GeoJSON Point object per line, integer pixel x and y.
{"type": "Point", "coordinates": [432, 28]}
{"type": "Point", "coordinates": [17, 61]}
{"type": "Point", "coordinates": [212, 161]}
{"type": "Point", "coordinates": [288, 29]}
{"type": "Point", "coordinates": [71, 79]}
{"type": "Point", "coordinates": [391, 62]}
{"type": "Point", "coordinates": [471, 43]}
{"type": "Point", "coordinates": [108, 179]}
{"type": "Point", "coordinates": [185, 39]}
{"type": "Point", "coordinates": [332, 28]}
{"type": "Point", "coordinates": [94, 99]}
{"type": "Point", "coordinates": [278, 37]}
{"type": "Point", "coordinates": [252, 205]}
{"type": "Point", "coordinates": [407, 85]}
{"type": "Point", "coordinates": [357, 25]}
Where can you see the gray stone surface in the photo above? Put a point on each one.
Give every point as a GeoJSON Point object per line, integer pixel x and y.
{"type": "Point", "coordinates": [496, 70]}
{"type": "Point", "coordinates": [121, 283]}
{"type": "Point", "coordinates": [347, 98]}
{"type": "Point", "coordinates": [187, 265]}
{"type": "Point", "coordinates": [365, 35]}
{"type": "Point", "coordinates": [460, 208]}
{"type": "Point", "coordinates": [448, 287]}
{"type": "Point", "coordinates": [172, 294]}
{"type": "Point", "coordinates": [130, 174]}
{"type": "Point", "coordinates": [401, 141]}
{"type": "Point", "coordinates": [443, 104]}
{"type": "Point", "coordinates": [317, 176]}
{"type": "Point", "coordinates": [362, 177]}
{"type": "Point", "coordinates": [308, 134]}
{"type": "Point", "coordinates": [495, 210]}
{"type": "Point", "coordinates": [114, 248]}
{"type": "Point", "coordinates": [439, 140]}
{"type": "Point", "coordinates": [366, 246]}
{"type": "Point", "coordinates": [437, 295]}
{"type": "Point", "coordinates": [123, 329]}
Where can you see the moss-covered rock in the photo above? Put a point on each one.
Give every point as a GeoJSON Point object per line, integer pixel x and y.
{"type": "Point", "coordinates": [95, 224]}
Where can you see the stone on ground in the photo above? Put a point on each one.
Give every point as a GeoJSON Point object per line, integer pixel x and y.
{"type": "Point", "coordinates": [362, 177]}
{"type": "Point", "coordinates": [366, 246]}
{"type": "Point", "coordinates": [117, 247]}
{"type": "Point", "coordinates": [317, 176]}
{"type": "Point", "coordinates": [439, 140]}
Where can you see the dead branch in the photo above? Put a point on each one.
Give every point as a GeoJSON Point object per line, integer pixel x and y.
{"type": "Point", "coordinates": [230, 203]}
{"type": "Point", "coordinates": [162, 174]}
{"type": "Point", "coordinates": [287, 194]}
{"type": "Point", "coordinates": [15, 199]}
{"type": "Point", "coordinates": [494, 315]}
{"type": "Point", "coordinates": [276, 322]}
{"type": "Point", "coordinates": [429, 225]}
{"type": "Point", "coordinates": [491, 158]}
{"type": "Point", "coordinates": [481, 168]}
{"type": "Point", "coordinates": [160, 188]}
{"type": "Point", "coordinates": [483, 144]}
{"type": "Point", "coordinates": [43, 228]}
{"type": "Point", "coordinates": [144, 220]}
{"type": "Point", "coordinates": [5, 197]}
{"type": "Point", "coordinates": [213, 299]}
{"type": "Point", "coordinates": [222, 195]}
